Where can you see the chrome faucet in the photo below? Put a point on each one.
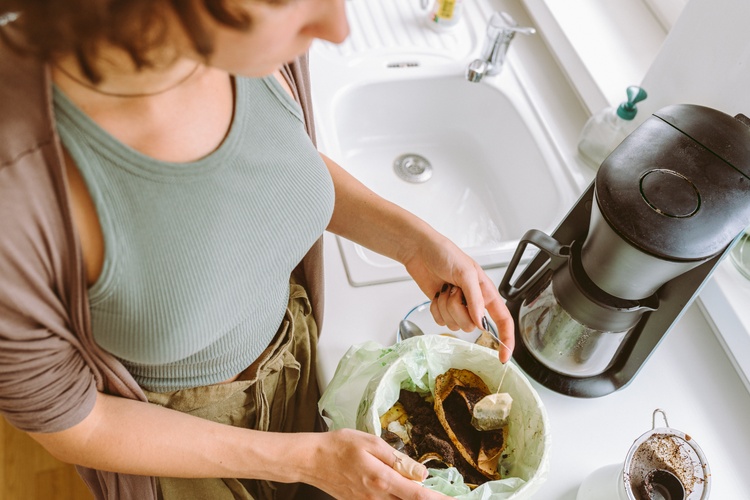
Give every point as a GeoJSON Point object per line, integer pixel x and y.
{"type": "Point", "coordinates": [500, 32]}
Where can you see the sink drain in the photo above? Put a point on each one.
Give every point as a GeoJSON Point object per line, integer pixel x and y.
{"type": "Point", "coordinates": [412, 168]}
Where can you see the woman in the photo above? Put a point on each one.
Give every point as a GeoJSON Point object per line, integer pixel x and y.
{"type": "Point", "coordinates": [157, 190]}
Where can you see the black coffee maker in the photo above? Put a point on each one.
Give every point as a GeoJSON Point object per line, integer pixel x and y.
{"type": "Point", "coordinates": [633, 253]}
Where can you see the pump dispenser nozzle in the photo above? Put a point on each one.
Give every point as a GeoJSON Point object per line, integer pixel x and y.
{"type": "Point", "coordinates": [627, 109]}
{"type": "Point", "coordinates": [605, 130]}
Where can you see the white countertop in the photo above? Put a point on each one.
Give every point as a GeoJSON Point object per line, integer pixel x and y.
{"type": "Point", "coordinates": [724, 300]}
{"type": "Point", "coordinates": [689, 376]}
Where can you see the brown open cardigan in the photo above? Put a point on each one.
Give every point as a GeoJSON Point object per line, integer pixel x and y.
{"type": "Point", "coordinates": [50, 366]}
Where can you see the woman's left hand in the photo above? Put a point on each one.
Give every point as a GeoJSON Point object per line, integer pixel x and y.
{"type": "Point", "coordinates": [459, 288]}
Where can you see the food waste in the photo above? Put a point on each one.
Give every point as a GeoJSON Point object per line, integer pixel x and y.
{"type": "Point", "coordinates": [438, 432]}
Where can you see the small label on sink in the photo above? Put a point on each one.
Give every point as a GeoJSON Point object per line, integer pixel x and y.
{"type": "Point", "coordinates": [406, 64]}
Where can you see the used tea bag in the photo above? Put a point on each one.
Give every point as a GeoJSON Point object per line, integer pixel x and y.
{"type": "Point", "coordinates": [491, 412]}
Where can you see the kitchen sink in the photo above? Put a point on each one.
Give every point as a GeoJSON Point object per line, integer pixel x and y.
{"type": "Point", "coordinates": [471, 159]}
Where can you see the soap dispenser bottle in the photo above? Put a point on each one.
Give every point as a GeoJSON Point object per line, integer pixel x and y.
{"type": "Point", "coordinates": [605, 130]}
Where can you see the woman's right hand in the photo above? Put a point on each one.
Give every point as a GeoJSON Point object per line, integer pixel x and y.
{"type": "Point", "coordinates": [351, 464]}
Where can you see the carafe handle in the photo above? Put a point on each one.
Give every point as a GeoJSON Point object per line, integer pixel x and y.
{"type": "Point", "coordinates": [542, 241]}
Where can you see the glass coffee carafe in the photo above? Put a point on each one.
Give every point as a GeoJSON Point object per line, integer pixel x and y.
{"type": "Point", "coordinates": [561, 342]}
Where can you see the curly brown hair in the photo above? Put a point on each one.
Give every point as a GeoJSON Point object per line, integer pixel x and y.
{"type": "Point", "coordinates": [49, 28]}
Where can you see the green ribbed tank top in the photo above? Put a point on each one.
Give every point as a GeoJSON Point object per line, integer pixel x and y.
{"type": "Point", "coordinates": [198, 255]}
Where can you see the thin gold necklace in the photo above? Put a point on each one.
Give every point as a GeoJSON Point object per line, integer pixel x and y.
{"type": "Point", "coordinates": [89, 86]}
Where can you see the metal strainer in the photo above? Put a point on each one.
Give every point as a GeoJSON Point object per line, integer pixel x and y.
{"type": "Point", "coordinates": [666, 464]}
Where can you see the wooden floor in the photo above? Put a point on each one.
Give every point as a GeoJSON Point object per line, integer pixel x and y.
{"type": "Point", "coordinates": [29, 473]}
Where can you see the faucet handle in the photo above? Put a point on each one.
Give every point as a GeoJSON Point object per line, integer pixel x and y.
{"type": "Point", "coordinates": [501, 23]}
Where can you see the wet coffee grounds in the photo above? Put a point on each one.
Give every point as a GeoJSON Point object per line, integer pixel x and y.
{"type": "Point", "coordinates": [428, 436]}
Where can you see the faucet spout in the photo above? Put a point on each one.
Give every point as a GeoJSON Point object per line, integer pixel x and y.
{"type": "Point", "coordinates": [500, 32]}
{"type": "Point", "coordinates": [476, 70]}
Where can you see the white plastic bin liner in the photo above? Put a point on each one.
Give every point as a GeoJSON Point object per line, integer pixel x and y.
{"type": "Point", "coordinates": [370, 376]}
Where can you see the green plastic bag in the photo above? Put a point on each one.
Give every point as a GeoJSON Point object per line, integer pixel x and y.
{"type": "Point", "coordinates": [370, 376]}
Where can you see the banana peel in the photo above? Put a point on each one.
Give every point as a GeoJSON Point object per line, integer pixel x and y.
{"type": "Point", "coordinates": [456, 393]}
{"type": "Point", "coordinates": [396, 413]}
{"type": "Point", "coordinates": [396, 420]}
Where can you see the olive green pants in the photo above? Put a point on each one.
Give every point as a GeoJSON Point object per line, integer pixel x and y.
{"type": "Point", "coordinates": [277, 393]}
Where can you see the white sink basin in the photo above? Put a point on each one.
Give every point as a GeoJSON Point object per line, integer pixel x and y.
{"type": "Point", "coordinates": [494, 172]}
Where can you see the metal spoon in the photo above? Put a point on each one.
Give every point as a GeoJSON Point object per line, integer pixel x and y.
{"type": "Point", "coordinates": [407, 330]}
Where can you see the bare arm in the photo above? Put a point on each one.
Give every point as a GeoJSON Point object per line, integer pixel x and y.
{"type": "Point", "coordinates": [140, 438]}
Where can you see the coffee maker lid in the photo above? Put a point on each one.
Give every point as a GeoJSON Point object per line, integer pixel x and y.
{"type": "Point", "coordinates": [678, 187]}
{"type": "Point", "coordinates": [725, 136]}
